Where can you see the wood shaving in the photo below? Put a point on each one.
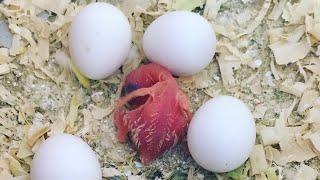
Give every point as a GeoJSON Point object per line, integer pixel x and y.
{"type": "Point", "coordinates": [306, 172]}
{"type": "Point", "coordinates": [72, 116]}
{"type": "Point", "coordinates": [56, 6]}
{"type": "Point", "coordinates": [290, 52]}
{"type": "Point", "coordinates": [270, 135]}
{"type": "Point", "coordinates": [260, 111]}
{"type": "Point", "coordinates": [312, 115]}
{"type": "Point", "coordinates": [314, 139]}
{"type": "Point", "coordinates": [187, 5]}
{"type": "Point", "coordinates": [110, 172]}
{"type": "Point", "coordinates": [257, 21]}
{"type": "Point", "coordinates": [15, 166]}
{"type": "Point", "coordinates": [295, 89]}
{"type": "Point", "coordinates": [258, 160]}
{"type": "Point", "coordinates": [267, 56]}
{"type": "Point", "coordinates": [277, 10]}
{"type": "Point", "coordinates": [211, 9]}
{"type": "Point", "coordinates": [227, 66]}
{"type": "Point", "coordinates": [307, 100]}
{"type": "Point", "coordinates": [4, 69]}
{"type": "Point", "coordinates": [35, 133]}
{"type": "Point", "coordinates": [6, 96]}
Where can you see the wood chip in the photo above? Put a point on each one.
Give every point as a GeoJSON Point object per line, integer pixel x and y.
{"type": "Point", "coordinates": [258, 160]}
{"type": "Point", "coordinates": [294, 88]}
{"type": "Point", "coordinates": [257, 21]}
{"type": "Point", "coordinates": [314, 138]}
{"type": "Point", "coordinates": [307, 100]}
{"type": "Point", "coordinates": [306, 173]}
{"type": "Point", "coordinates": [110, 172]}
{"type": "Point", "coordinates": [4, 69]}
{"type": "Point", "coordinates": [36, 133]}
{"type": "Point", "coordinates": [289, 52]}
{"type": "Point", "coordinates": [270, 135]}
{"type": "Point", "coordinates": [277, 10]}
{"type": "Point", "coordinates": [56, 6]}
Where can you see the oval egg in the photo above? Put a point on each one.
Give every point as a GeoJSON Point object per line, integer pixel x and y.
{"type": "Point", "coordinates": [65, 157]}
{"type": "Point", "coordinates": [99, 40]}
{"type": "Point", "coordinates": [221, 134]}
{"type": "Point", "coordinates": [182, 41]}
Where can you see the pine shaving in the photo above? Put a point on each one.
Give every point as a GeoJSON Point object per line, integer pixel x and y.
{"type": "Point", "coordinates": [258, 160]}
{"type": "Point", "coordinates": [289, 52]}
{"type": "Point", "coordinates": [306, 173]}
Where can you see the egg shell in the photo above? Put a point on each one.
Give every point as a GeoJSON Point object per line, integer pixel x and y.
{"type": "Point", "coordinates": [65, 157]}
{"type": "Point", "coordinates": [184, 42]}
{"type": "Point", "coordinates": [99, 40]}
{"type": "Point", "coordinates": [221, 134]}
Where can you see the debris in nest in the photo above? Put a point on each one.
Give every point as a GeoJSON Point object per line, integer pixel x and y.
{"type": "Point", "coordinates": [7, 97]}
{"type": "Point", "coordinates": [187, 5]}
{"type": "Point", "coordinates": [4, 56]}
{"type": "Point", "coordinates": [291, 149]}
{"type": "Point", "coordinates": [313, 65]}
{"type": "Point", "coordinates": [307, 100]}
{"type": "Point", "coordinates": [35, 132]}
{"type": "Point", "coordinates": [305, 172]}
{"type": "Point", "coordinates": [110, 172]}
{"type": "Point", "coordinates": [76, 101]}
{"type": "Point", "coordinates": [294, 88]}
{"type": "Point", "coordinates": [18, 46]}
{"type": "Point", "coordinates": [133, 61]}
{"type": "Point", "coordinates": [294, 13]}
{"type": "Point", "coordinates": [39, 42]}
{"type": "Point", "coordinates": [241, 172]}
{"type": "Point", "coordinates": [277, 10]}
{"type": "Point", "coordinates": [260, 111]}
{"type": "Point", "coordinates": [23, 32]}
{"type": "Point", "coordinates": [43, 49]}
{"type": "Point", "coordinates": [257, 21]}
{"type": "Point", "coordinates": [227, 66]}
{"type": "Point", "coordinates": [24, 150]}
{"type": "Point", "coordinates": [58, 126]}
{"type": "Point", "coordinates": [314, 139]}
{"type": "Point", "coordinates": [56, 6]}
{"type": "Point", "coordinates": [62, 58]}
{"type": "Point", "coordinates": [222, 47]}
{"type": "Point", "coordinates": [282, 121]}
{"type": "Point", "coordinates": [4, 69]}
{"type": "Point", "coordinates": [84, 81]}
{"type": "Point", "coordinates": [99, 113]}
{"type": "Point", "coordinates": [230, 62]}
{"type": "Point", "coordinates": [258, 160]}
{"type": "Point", "coordinates": [270, 135]}
{"type": "Point", "coordinates": [290, 52]}
{"type": "Point", "coordinates": [212, 8]}
{"type": "Point", "coordinates": [312, 116]}
{"type": "Point", "coordinates": [15, 166]}
{"type": "Point", "coordinates": [5, 35]}
{"type": "Point", "coordinates": [269, 174]}
{"type": "Point", "coordinates": [200, 80]}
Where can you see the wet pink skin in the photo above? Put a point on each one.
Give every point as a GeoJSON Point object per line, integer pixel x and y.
{"type": "Point", "coordinates": [153, 113]}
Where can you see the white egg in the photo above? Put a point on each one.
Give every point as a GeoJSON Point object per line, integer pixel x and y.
{"type": "Point", "coordinates": [99, 40]}
{"type": "Point", "coordinates": [182, 41]}
{"type": "Point", "coordinates": [65, 157]}
{"type": "Point", "coordinates": [221, 134]}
